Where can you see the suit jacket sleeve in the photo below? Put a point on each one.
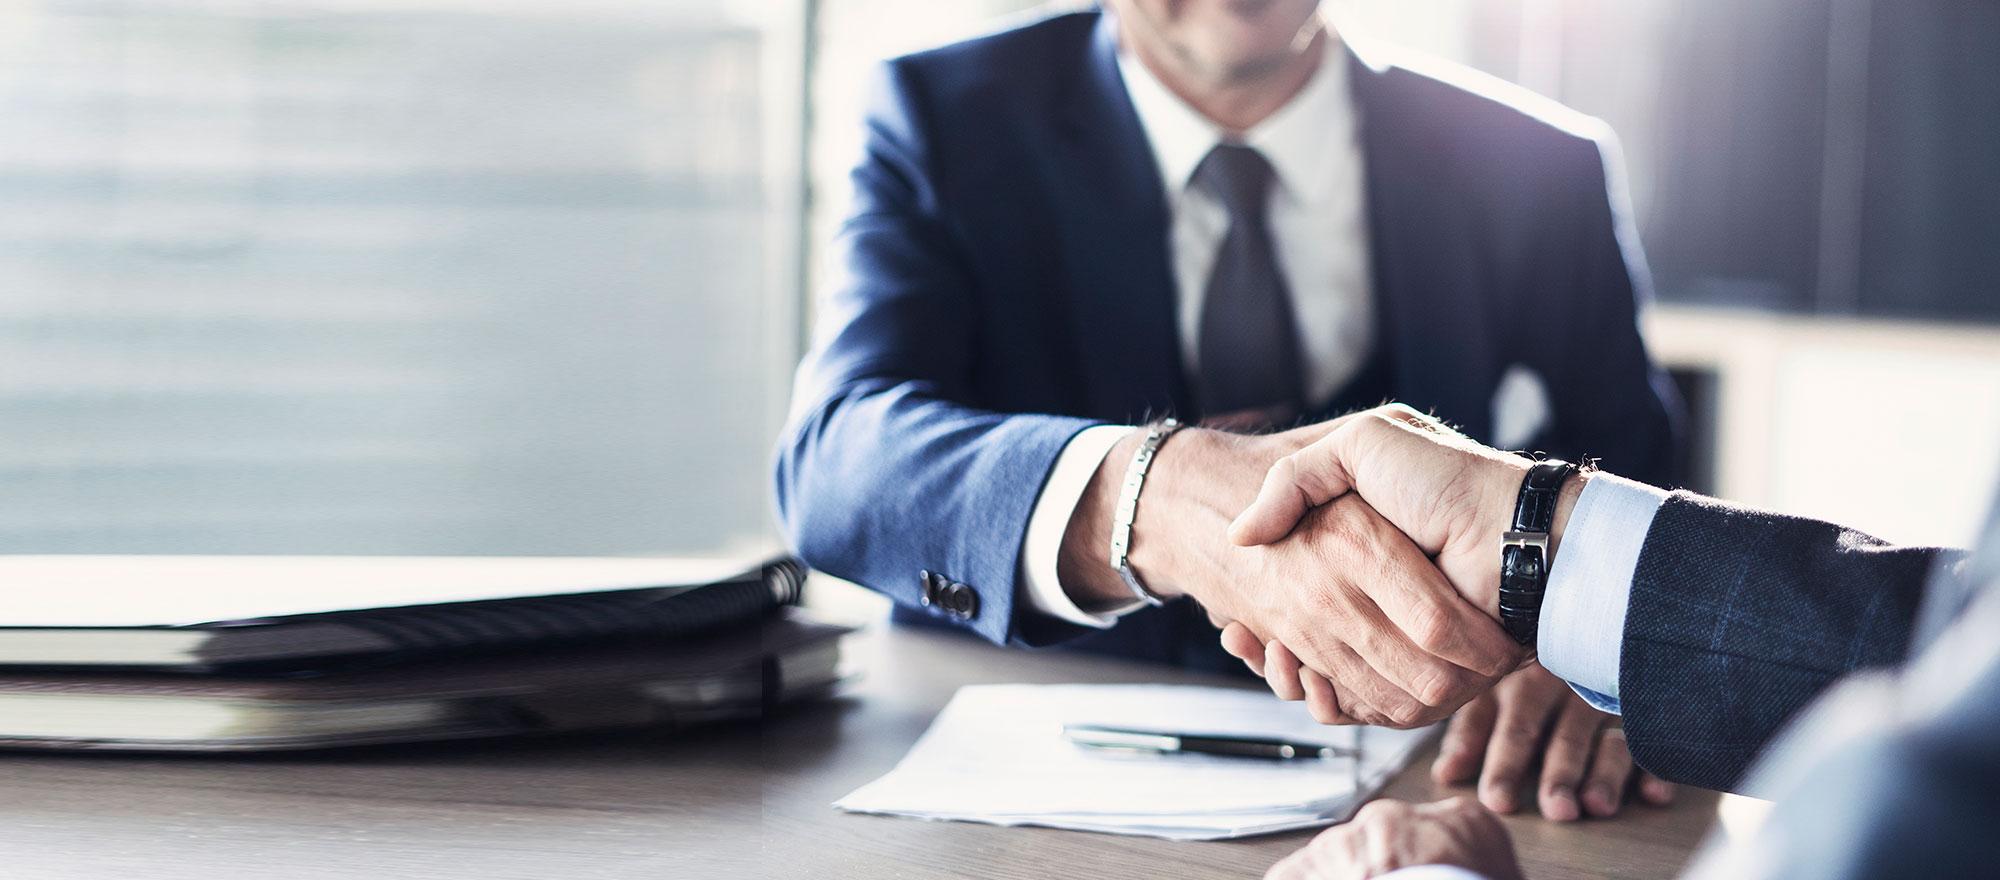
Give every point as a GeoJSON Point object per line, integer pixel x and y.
{"type": "Point", "coordinates": [888, 466]}
{"type": "Point", "coordinates": [1738, 618]}
{"type": "Point", "coordinates": [1609, 400]}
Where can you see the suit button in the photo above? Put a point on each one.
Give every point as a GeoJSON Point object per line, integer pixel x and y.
{"type": "Point", "coordinates": [927, 588]}
{"type": "Point", "coordinates": [964, 602]}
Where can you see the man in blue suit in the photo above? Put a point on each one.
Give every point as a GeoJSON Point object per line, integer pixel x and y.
{"type": "Point", "coordinates": [1225, 213]}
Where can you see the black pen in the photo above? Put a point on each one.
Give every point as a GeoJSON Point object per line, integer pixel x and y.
{"type": "Point", "coordinates": [1165, 742]}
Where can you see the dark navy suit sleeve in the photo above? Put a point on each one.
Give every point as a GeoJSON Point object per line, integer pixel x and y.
{"type": "Point", "coordinates": [888, 467]}
{"type": "Point", "coordinates": [1608, 399]}
{"type": "Point", "coordinates": [1738, 618]}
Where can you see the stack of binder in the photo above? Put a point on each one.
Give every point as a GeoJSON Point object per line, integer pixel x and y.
{"type": "Point", "coordinates": [169, 653]}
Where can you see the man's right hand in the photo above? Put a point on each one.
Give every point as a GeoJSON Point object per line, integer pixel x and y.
{"type": "Point", "coordinates": [1452, 496]}
{"type": "Point", "coordinates": [1347, 591]}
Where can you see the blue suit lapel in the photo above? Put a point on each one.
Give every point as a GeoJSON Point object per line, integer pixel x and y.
{"type": "Point", "coordinates": [1112, 237]}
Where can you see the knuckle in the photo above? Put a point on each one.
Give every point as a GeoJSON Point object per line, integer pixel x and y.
{"type": "Point", "coordinates": [1386, 418]}
{"type": "Point", "coordinates": [1431, 628]}
{"type": "Point", "coordinates": [1310, 647]}
{"type": "Point", "coordinates": [1406, 714]}
{"type": "Point", "coordinates": [1292, 466]}
{"type": "Point", "coordinates": [1327, 602]}
{"type": "Point", "coordinates": [1401, 410]}
{"type": "Point", "coordinates": [1437, 685]}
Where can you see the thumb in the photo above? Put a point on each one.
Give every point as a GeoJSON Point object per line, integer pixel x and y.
{"type": "Point", "coordinates": [1295, 484]}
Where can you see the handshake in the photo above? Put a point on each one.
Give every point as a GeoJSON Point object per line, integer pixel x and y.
{"type": "Point", "coordinates": [1363, 577]}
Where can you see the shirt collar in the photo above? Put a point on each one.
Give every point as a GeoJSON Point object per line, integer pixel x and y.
{"type": "Point", "coordinates": [1296, 139]}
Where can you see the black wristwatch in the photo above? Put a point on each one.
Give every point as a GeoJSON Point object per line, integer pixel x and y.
{"type": "Point", "coordinates": [1524, 551]}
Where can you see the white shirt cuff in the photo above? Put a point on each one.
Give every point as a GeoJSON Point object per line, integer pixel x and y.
{"type": "Point", "coordinates": [1043, 545]}
{"type": "Point", "coordinates": [1583, 611]}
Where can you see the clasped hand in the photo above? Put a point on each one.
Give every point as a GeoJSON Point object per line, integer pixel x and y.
{"type": "Point", "coordinates": [1449, 498]}
{"type": "Point", "coordinates": [1373, 546]}
{"type": "Point", "coordinates": [1361, 556]}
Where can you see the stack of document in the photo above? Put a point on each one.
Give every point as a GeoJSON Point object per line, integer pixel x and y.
{"type": "Point", "coordinates": [997, 754]}
{"type": "Point", "coordinates": [185, 653]}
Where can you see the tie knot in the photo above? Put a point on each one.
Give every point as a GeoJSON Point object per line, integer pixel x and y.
{"type": "Point", "coordinates": [1240, 176]}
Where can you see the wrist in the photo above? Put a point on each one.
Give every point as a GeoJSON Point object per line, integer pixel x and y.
{"type": "Point", "coordinates": [1499, 494]}
{"type": "Point", "coordinates": [1190, 498]}
{"type": "Point", "coordinates": [1083, 563]}
{"type": "Point", "coordinates": [1200, 480]}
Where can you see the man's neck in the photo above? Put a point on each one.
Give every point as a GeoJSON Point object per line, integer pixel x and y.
{"type": "Point", "coordinates": [1236, 104]}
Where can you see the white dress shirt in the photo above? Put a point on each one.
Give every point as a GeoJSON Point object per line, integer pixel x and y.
{"type": "Point", "coordinates": [1319, 226]}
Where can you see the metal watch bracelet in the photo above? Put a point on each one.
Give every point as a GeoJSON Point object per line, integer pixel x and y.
{"type": "Point", "coordinates": [1128, 507]}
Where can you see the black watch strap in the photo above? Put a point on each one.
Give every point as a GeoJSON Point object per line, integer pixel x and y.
{"type": "Point", "coordinates": [1524, 550]}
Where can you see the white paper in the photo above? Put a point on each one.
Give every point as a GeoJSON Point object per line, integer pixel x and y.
{"type": "Point", "coordinates": [997, 754]}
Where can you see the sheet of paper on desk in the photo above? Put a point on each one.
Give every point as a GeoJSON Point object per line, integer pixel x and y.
{"type": "Point", "coordinates": [996, 754]}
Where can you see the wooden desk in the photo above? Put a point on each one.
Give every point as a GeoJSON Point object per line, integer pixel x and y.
{"type": "Point", "coordinates": [731, 802]}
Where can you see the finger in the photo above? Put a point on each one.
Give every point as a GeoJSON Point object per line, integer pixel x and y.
{"type": "Point", "coordinates": [1567, 759]}
{"type": "Point", "coordinates": [1244, 645]}
{"type": "Point", "coordinates": [1322, 700]}
{"type": "Point", "coordinates": [1655, 790]}
{"type": "Point", "coordinates": [1465, 741]}
{"type": "Point", "coordinates": [1411, 685]}
{"type": "Point", "coordinates": [1352, 706]}
{"type": "Point", "coordinates": [1291, 680]}
{"type": "Point", "coordinates": [1422, 604]}
{"type": "Point", "coordinates": [1517, 730]}
{"type": "Point", "coordinates": [1610, 769]}
{"type": "Point", "coordinates": [1281, 671]}
{"type": "Point", "coordinates": [1294, 484]}
{"type": "Point", "coordinates": [1365, 695]}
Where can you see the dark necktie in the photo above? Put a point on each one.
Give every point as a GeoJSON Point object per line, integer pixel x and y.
{"type": "Point", "coordinates": [1249, 342]}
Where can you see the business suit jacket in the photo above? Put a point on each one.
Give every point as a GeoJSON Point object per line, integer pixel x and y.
{"type": "Point", "coordinates": [1002, 282]}
{"type": "Point", "coordinates": [1738, 618]}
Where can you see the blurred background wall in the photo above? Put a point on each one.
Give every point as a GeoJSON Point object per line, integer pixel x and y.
{"type": "Point", "coordinates": [444, 276]}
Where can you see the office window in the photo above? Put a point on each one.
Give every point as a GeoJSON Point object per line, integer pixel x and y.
{"type": "Point", "coordinates": [395, 276]}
